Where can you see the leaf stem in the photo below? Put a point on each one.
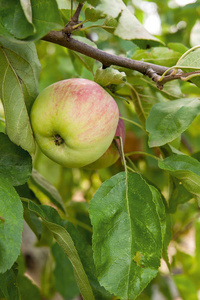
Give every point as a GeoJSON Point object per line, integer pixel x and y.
{"type": "Point", "coordinates": [163, 75]}
{"type": "Point", "coordinates": [133, 122]}
{"type": "Point", "coordinates": [135, 169]}
{"type": "Point", "coordinates": [130, 169]}
{"type": "Point", "coordinates": [138, 105]}
{"type": "Point", "coordinates": [143, 153]}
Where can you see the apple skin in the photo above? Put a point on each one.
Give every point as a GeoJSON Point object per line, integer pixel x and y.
{"type": "Point", "coordinates": [74, 121]}
{"type": "Point", "coordinates": [112, 153]}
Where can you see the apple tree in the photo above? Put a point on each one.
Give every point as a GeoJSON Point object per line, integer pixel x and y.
{"type": "Point", "coordinates": [120, 220]}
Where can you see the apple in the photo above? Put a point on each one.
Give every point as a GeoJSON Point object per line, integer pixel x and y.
{"type": "Point", "coordinates": [112, 153]}
{"type": "Point", "coordinates": [74, 121]}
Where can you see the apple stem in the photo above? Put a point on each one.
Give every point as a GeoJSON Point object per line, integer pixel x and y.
{"type": "Point", "coordinates": [58, 140]}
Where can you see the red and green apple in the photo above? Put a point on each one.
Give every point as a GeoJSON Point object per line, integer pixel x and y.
{"type": "Point", "coordinates": [74, 121]}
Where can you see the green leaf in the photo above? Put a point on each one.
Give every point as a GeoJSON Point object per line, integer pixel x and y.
{"type": "Point", "coordinates": [26, 6]}
{"type": "Point", "coordinates": [157, 55]}
{"type": "Point", "coordinates": [192, 59]}
{"type": "Point", "coordinates": [66, 15]}
{"type": "Point", "coordinates": [11, 224]}
{"type": "Point", "coordinates": [93, 2]}
{"type": "Point", "coordinates": [129, 28]}
{"type": "Point", "coordinates": [64, 4]}
{"type": "Point", "coordinates": [24, 192]}
{"type": "Point", "coordinates": [49, 190]}
{"type": "Point", "coordinates": [166, 121]}
{"type": "Point", "coordinates": [47, 280]}
{"type": "Point", "coordinates": [14, 22]}
{"type": "Point", "coordinates": [11, 157]}
{"type": "Point", "coordinates": [110, 24]}
{"type": "Point", "coordinates": [19, 74]}
{"type": "Point", "coordinates": [157, 199]}
{"type": "Point", "coordinates": [178, 47]}
{"type": "Point", "coordinates": [27, 289]}
{"type": "Point", "coordinates": [178, 195]}
{"type": "Point", "coordinates": [108, 76]}
{"type": "Point", "coordinates": [184, 168]}
{"type": "Point", "coordinates": [76, 61]}
{"type": "Point", "coordinates": [86, 255]}
{"type": "Point", "coordinates": [79, 59]}
{"type": "Point", "coordinates": [171, 91]}
{"type": "Point", "coordinates": [2, 126]}
{"type": "Point", "coordinates": [8, 284]}
{"type": "Point", "coordinates": [55, 224]}
{"type": "Point", "coordinates": [145, 94]}
{"type": "Point", "coordinates": [186, 287]}
{"type": "Point", "coordinates": [65, 282]}
{"type": "Point", "coordinates": [24, 62]}
{"type": "Point", "coordinates": [127, 241]}
{"type": "Point", "coordinates": [29, 20]}
{"type": "Point", "coordinates": [46, 16]}
{"type": "Point", "coordinates": [32, 220]}
{"type": "Point", "coordinates": [92, 14]}
{"type": "Point", "coordinates": [167, 238]}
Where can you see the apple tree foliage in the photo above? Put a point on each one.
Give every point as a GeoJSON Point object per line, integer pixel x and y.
{"type": "Point", "coordinates": [118, 233]}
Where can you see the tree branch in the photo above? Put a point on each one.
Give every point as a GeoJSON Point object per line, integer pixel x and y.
{"type": "Point", "coordinates": [107, 59]}
{"type": "Point", "coordinates": [153, 71]}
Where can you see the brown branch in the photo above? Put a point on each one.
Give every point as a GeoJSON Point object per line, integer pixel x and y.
{"type": "Point", "coordinates": [77, 13]}
{"type": "Point", "coordinates": [69, 27]}
{"type": "Point", "coordinates": [107, 59]}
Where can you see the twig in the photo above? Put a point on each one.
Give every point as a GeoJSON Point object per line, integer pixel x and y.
{"type": "Point", "coordinates": [74, 22]}
{"type": "Point", "coordinates": [77, 13]}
